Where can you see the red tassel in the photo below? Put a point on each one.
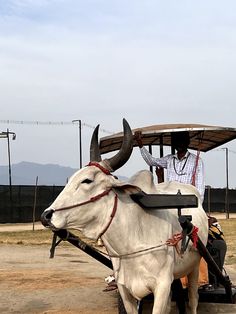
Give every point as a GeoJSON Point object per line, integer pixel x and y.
{"type": "Point", "coordinates": [194, 236]}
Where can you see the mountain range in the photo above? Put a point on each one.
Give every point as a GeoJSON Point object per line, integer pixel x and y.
{"type": "Point", "coordinates": [25, 173]}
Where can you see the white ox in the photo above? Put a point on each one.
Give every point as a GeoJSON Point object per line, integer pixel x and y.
{"type": "Point", "coordinates": [126, 228]}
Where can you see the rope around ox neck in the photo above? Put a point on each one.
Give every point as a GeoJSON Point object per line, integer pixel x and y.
{"type": "Point", "coordinates": [95, 198]}
{"type": "Point", "coordinates": [92, 199]}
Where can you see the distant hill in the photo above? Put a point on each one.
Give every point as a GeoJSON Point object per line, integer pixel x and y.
{"type": "Point", "coordinates": [25, 173]}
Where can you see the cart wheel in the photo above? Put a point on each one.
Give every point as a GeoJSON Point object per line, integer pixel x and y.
{"type": "Point", "coordinates": [121, 308]}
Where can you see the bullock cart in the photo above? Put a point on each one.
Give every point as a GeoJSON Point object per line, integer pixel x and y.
{"type": "Point", "coordinates": [202, 138]}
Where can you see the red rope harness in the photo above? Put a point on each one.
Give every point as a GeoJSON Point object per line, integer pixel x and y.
{"type": "Point", "coordinates": [95, 198]}
{"type": "Point", "coordinates": [194, 236]}
{"type": "Point", "coordinates": [96, 164]}
{"type": "Point", "coordinates": [170, 242]}
{"type": "Point", "coordinates": [111, 216]}
{"type": "Point", "coordinates": [179, 236]}
{"type": "Point", "coordinates": [92, 199]}
{"type": "Point", "coordinates": [174, 241]}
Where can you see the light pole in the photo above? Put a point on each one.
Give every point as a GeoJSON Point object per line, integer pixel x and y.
{"type": "Point", "coordinates": [227, 181]}
{"type": "Point", "coordinates": [7, 135]}
{"type": "Point", "coordinates": [80, 142]}
{"type": "Point", "coordinates": [208, 187]}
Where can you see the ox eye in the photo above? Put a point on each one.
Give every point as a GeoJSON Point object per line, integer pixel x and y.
{"type": "Point", "coordinates": [87, 181]}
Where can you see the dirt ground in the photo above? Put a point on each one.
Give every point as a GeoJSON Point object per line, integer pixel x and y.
{"type": "Point", "coordinates": [71, 282]}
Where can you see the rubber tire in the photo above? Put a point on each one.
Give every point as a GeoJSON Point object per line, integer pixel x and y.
{"type": "Point", "coordinates": [121, 308]}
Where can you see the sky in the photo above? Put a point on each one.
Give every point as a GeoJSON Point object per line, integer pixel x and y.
{"type": "Point", "coordinates": [151, 62]}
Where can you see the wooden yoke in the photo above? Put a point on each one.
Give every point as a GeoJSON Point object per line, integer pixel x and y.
{"type": "Point", "coordinates": [165, 201]}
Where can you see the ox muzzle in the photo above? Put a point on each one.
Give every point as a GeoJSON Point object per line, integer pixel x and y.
{"type": "Point", "coordinates": [46, 218]}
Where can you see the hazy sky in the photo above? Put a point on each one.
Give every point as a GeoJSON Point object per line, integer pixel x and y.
{"type": "Point", "coordinates": [152, 62]}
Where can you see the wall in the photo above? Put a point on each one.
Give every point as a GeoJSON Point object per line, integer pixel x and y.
{"type": "Point", "coordinates": [20, 209]}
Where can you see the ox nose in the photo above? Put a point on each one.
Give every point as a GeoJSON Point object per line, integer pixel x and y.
{"type": "Point", "coordinates": [46, 217]}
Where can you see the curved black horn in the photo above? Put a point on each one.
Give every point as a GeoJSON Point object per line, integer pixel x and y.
{"type": "Point", "coordinates": [125, 151]}
{"type": "Point", "coordinates": [94, 147]}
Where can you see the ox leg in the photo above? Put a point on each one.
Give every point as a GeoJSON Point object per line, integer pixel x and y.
{"type": "Point", "coordinates": [162, 298]}
{"type": "Point", "coordinates": [178, 293]}
{"type": "Point", "coordinates": [130, 303]}
{"type": "Point", "coordinates": [193, 290]}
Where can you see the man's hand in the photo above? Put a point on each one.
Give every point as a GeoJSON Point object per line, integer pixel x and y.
{"type": "Point", "coordinates": [138, 138]}
{"type": "Point", "coordinates": [160, 174]}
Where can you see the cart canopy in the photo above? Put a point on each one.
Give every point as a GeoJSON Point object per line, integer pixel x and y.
{"type": "Point", "coordinates": [202, 137]}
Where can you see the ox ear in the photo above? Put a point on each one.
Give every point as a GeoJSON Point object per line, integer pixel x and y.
{"type": "Point", "coordinates": [128, 188]}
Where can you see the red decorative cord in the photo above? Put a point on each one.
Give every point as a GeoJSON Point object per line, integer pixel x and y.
{"type": "Point", "coordinates": [96, 164]}
{"type": "Point", "coordinates": [194, 236]}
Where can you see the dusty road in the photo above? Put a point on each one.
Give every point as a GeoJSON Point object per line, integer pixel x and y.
{"type": "Point", "coordinates": [30, 282]}
{"type": "Point", "coordinates": [72, 282]}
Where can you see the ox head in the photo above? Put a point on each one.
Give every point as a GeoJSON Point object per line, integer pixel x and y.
{"type": "Point", "coordinates": [82, 203]}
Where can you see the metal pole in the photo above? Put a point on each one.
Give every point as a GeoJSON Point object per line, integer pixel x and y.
{"type": "Point", "coordinates": [80, 145]}
{"type": "Point", "coordinates": [80, 142]}
{"type": "Point", "coordinates": [209, 199]}
{"type": "Point", "coordinates": [35, 200]}
{"type": "Point", "coordinates": [227, 182]}
{"type": "Point", "coordinates": [208, 188]}
{"type": "Point", "coordinates": [9, 165]}
{"type": "Point", "coordinates": [7, 135]}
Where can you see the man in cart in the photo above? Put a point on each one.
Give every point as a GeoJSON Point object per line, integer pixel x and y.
{"type": "Point", "coordinates": [188, 168]}
{"type": "Point", "coordinates": [183, 167]}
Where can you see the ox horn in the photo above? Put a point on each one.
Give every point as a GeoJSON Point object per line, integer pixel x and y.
{"type": "Point", "coordinates": [121, 157]}
{"type": "Point", "coordinates": [125, 151]}
{"type": "Point", "coordinates": [94, 147]}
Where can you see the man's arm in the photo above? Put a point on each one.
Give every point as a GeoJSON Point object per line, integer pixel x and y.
{"type": "Point", "coordinates": [138, 138]}
{"type": "Point", "coordinates": [149, 159]}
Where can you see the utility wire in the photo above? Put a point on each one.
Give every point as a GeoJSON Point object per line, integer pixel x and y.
{"type": "Point", "coordinates": [51, 123]}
